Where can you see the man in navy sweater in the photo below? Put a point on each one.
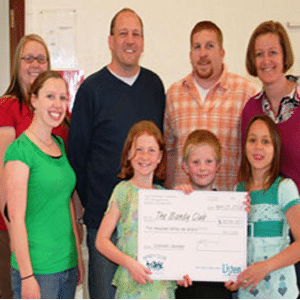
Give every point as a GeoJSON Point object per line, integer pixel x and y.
{"type": "Point", "coordinates": [106, 106]}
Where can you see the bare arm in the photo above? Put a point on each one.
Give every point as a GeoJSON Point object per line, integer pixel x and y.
{"type": "Point", "coordinates": [78, 242]}
{"type": "Point", "coordinates": [7, 136]}
{"type": "Point", "coordinates": [16, 180]}
{"type": "Point", "coordinates": [104, 245]}
{"type": "Point", "coordinates": [289, 256]}
{"type": "Point", "coordinates": [79, 211]}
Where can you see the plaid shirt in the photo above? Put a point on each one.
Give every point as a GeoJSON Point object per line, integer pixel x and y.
{"type": "Point", "coordinates": [220, 113]}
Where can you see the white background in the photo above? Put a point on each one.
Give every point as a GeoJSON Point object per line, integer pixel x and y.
{"type": "Point", "coordinates": [167, 25]}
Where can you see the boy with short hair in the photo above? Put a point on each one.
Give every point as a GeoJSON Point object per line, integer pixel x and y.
{"type": "Point", "coordinates": [201, 159]}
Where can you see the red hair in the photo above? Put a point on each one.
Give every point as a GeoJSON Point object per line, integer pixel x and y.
{"type": "Point", "coordinates": [137, 130]}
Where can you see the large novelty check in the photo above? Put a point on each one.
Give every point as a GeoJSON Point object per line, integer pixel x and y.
{"type": "Point", "coordinates": [203, 234]}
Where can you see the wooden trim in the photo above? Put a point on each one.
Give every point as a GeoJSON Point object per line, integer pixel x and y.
{"type": "Point", "coordinates": [16, 24]}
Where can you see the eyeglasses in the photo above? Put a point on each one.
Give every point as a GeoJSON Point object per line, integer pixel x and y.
{"type": "Point", "coordinates": [30, 59]}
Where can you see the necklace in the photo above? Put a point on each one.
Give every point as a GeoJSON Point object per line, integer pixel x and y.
{"type": "Point", "coordinates": [41, 140]}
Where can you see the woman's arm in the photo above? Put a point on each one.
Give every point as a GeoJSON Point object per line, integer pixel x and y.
{"type": "Point", "coordinates": [78, 243]}
{"type": "Point", "coordinates": [106, 247]}
{"type": "Point", "coordinates": [79, 212]}
{"type": "Point", "coordinates": [16, 181]}
{"type": "Point", "coordinates": [289, 256]}
{"type": "Point", "coordinates": [7, 136]}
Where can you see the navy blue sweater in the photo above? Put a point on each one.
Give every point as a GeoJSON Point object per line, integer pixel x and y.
{"type": "Point", "coordinates": [104, 110]}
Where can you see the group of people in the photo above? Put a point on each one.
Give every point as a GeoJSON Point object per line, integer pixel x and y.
{"type": "Point", "coordinates": [124, 135]}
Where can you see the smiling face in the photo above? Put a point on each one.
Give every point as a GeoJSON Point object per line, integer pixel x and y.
{"type": "Point", "coordinates": [126, 44]}
{"type": "Point", "coordinates": [269, 59]}
{"type": "Point", "coordinates": [30, 71]}
{"type": "Point", "coordinates": [144, 156]}
{"type": "Point", "coordinates": [202, 166]}
{"type": "Point", "coordinates": [206, 56]}
{"type": "Point", "coordinates": [259, 147]}
{"type": "Point", "coordinates": [51, 102]}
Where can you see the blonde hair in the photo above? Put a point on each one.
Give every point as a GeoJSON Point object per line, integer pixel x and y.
{"type": "Point", "coordinates": [198, 138]}
{"type": "Point", "coordinates": [17, 87]}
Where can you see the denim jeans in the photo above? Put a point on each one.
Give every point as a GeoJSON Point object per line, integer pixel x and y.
{"type": "Point", "coordinates": [60, 285]}
{"type": "Point", "coordinates": [101, 270]}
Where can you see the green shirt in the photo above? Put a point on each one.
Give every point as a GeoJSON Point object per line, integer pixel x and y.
{"type": "Point", "coordinates": [125, 196]}
{"type": "Point", "coordinates": [48, 220]}
{"type": "Point", "coordinates": [268, 234]}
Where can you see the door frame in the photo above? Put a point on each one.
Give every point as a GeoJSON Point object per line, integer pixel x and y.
{"type": "Point", "coordinates": [16, 26]}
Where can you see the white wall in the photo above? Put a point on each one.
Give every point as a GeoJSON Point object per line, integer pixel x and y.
{"type": "Point", "coordinates": [168, 24]}
{"type": "Point", "coordinates": [4, 46]}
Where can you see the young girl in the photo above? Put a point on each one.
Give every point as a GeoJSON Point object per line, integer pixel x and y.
{"type": "Point", "coordinates": [143, 160]}
{"type": "Point", "coordinates": [274, 209]}
{"type": "Point", "coordinates": [39, 181]}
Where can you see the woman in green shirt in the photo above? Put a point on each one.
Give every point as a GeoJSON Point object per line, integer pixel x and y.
{"type": "Point", "coordinates": [39, 183]}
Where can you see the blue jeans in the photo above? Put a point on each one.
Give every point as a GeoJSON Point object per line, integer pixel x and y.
{"type": "Point", "coordinates": [101, 270]}
{"type": "Point", "coordinates": [60, 285]}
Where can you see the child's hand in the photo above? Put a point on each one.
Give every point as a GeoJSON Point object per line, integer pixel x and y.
{"type": "Point", "coordinates": [138, 272]}
{"type": "Point", "coordinates": [186, 282]}
{"type": "Point", "coordinates": [247, 203]}
{"type": "Point", "coordinates": [186, 188]}
{"type": "Point", "coordinates": [252, 276]}
{"type": "Point", "coordinates": [231, 286]}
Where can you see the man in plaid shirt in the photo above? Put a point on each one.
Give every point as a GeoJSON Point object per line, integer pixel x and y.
{"type": "Point", "coordinates": [209, 98]}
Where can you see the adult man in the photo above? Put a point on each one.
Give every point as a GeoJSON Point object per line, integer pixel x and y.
{"type": "Point", "coordinates": [107, 104]}
{"type": "Point", "coordinates": [209, 98]}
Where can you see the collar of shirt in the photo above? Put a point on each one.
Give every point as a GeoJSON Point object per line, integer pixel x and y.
{"type": "Point", "coordinates": [287, 105]}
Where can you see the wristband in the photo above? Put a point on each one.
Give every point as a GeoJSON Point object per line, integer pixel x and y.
{"type": "Point", "coordinates": [26, 277]}
{"type": "Point", "coordinates": [80, 221]}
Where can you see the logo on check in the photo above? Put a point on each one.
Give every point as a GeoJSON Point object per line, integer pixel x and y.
{"type": "Point", "coordinates": [229, 270]}
{"type": "Point", "coordinates": [155, 262]}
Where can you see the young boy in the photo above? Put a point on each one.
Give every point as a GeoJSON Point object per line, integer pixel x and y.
{"type": "Point", "coordinates": [201, 159]}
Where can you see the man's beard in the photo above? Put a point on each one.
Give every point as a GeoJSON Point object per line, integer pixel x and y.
{"type": "Point", "coordinates": [203, 75]}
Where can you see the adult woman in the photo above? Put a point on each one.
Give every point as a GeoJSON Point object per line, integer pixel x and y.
{"type": "Point", "coordinates": [31, 58]}
{"type": "Point", "coordinates": [269, 57]}
{"type": "Point", "coordinates": [39, 182]}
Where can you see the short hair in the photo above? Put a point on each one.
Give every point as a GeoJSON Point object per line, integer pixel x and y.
{"type": "Point", "coordinates": [136, 131]}
{"type": "Point", "coordinates": [16, 87]}
{"type": "Point", "coordinates": [39, 83]}
{"type": "Point", "coordinates": [207, 25]}
{"type": "Point", "coordinates": [245, 173]}
{"type": "Point", "coordinates": [265, 28]}
{"type": "Point", "coordinates": [113, 21]}
{"type": "Point", "coordinates": [198, 138]}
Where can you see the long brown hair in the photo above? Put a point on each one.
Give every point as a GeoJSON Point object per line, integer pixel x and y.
{"type": "Point", "coordinates": [16, 87]}
{"type": "Point", "coordinates": [137, 130]}
{"type": "Point", "coordinates": [245, 171]}
{"type": "Point", "coordinates": [38, 84]}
